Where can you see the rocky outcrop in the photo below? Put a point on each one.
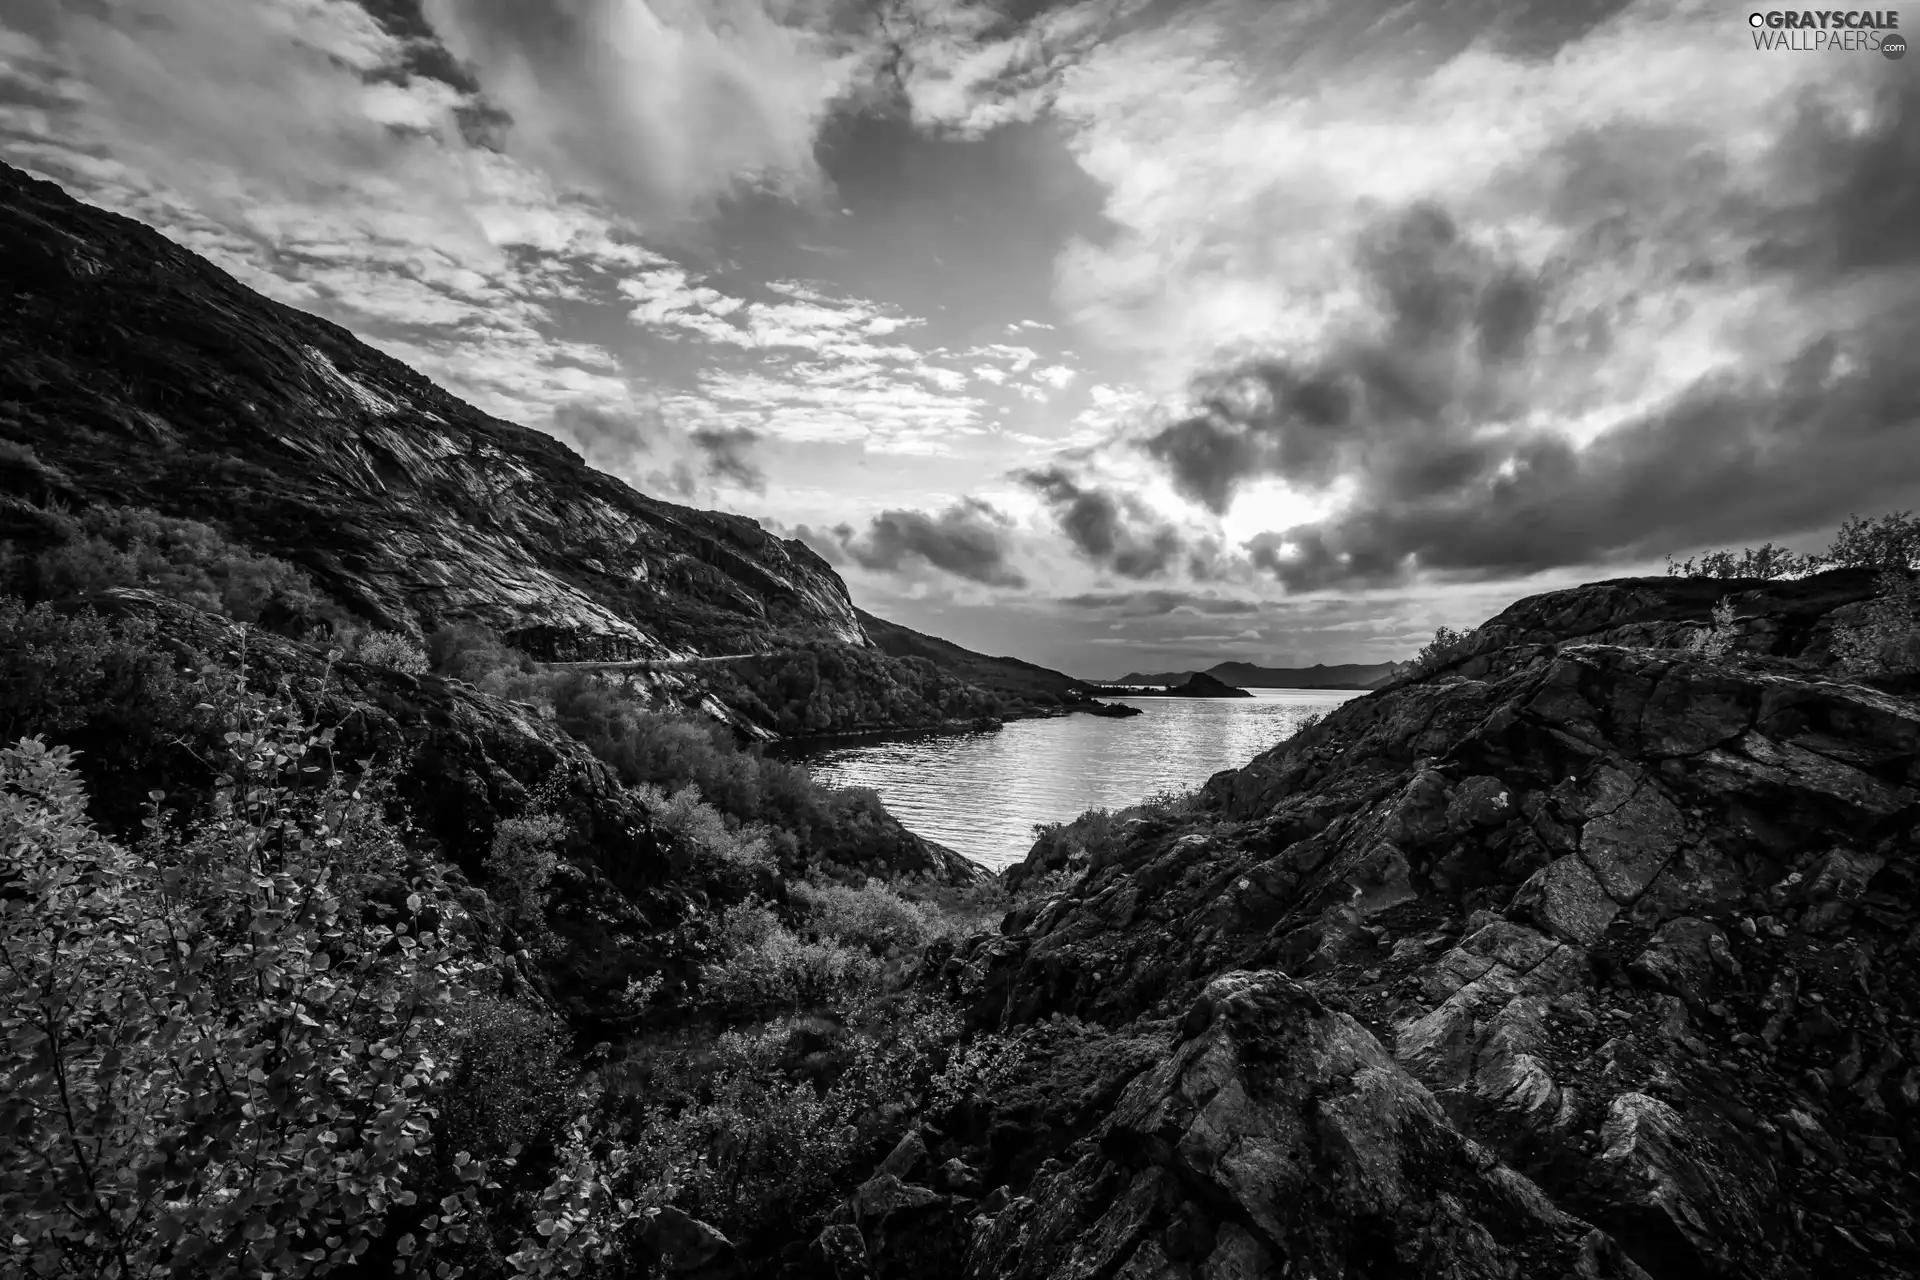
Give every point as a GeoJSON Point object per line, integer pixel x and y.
{"type": "Point", "coordinates": [1583, 958]}
{"type": "Point", "coordinates": [1197, 685]}
{"type": "Point", "coordinates": [141, 375]}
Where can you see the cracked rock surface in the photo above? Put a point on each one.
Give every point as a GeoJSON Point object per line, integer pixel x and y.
{"type": "Point", "coordinates": [1584, 958]}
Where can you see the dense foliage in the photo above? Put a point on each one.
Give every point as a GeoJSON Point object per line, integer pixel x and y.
{"type": "Point", "coordinates": [58, 554]}
{"type": "Point", "coordinates": [217, 1044]}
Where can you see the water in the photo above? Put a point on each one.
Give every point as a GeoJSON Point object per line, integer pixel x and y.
{"type": "Point", "coordinates": [981, 793]}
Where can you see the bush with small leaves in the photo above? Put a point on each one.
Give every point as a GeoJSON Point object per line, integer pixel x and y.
{"type": "Point", "coordinates": [872, 917]}
{"type": "Point", "coordinates": [187, 560]}
{"type": "Point", "coordinates": [1447, 645]}
{"type": "Point", "coordinates": [1886, 641]}
{"type": "Point", "coordinates": [1717, 640]}
{"type": "Point", "coordinates": [765, 965]}
{"type": "Point", "coordinates": [211, 1065]}
{"type": "Point", "coordinates": [390, 649]}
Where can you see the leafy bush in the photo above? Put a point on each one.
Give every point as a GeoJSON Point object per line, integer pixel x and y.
{"type": "Point", "coordinates": [1717, 640]}
{"type": "Point", "coordinates": [1891, 541]}
{"type": "Point", "coordinates": [729, 847]}
{"type": "Point", "coordinates": [1447, 646]}
{"type": "Point", "coordinates": [803, 821]}
{"type": "Point", "coordinates": [215, 1060]}
{"type": "Point", "coordinates": [872, 917]}
{"type": "Point", "coordinates": [765, 965]}
{"type": "Point", "coordinates": [737, 1140]}
{"type": "Point", "coordinates": [186, 560]}
{"type": "Point", "coordinates": [390, 649]}
{"type": "Point", "coordinates": [113, 689]}
{"type": "Point", "coordinates": [509, 1100]}
{"type": "Point", "coordinates": [1887, 639]}
{"type": "Point", "coordinates": [1766, 561]}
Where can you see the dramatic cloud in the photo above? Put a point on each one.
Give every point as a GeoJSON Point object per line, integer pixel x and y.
{"type": "Point", "coordinates": [662, 106]}
{"type": "Point", "coordinates": [968, 540]}
{"type": "Point", "coordinates": [1115, 531]}
{"type": "Point", "coordinates": [644, 445]}
{"type": "Point", "coordinates": [1443, 425]}
{"type": "Point", "coordinates": [965, 67]}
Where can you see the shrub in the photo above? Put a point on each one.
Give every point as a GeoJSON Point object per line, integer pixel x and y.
{"type": "Point", "coordinates": [1891, 541]}
{"type": "Point", "coordinates": [729, 846]}
{"type": "Point", "coordinates": [1447, 646]}
{"type": "Point", "coordinates": [765, 965]}
{"type": "Point", "coordinates": [1715, 641]}
{"type": "Point", "coordinates": [872, 917]}
{"type": "Point", "coordinates": [744, 1145]}
{"type": "Point", "coordinates": [116, 691]}
{"type": "Point", "coordinates": [390, 649]}
{"type": "Point", "coordinates": [210, 1067]}
{"type": "Point", "coordinates": [508, 1099]}
{"type": "Point", "coordinates": [1766, 561]}
{"type": "Point", "coordinates": [186, 560]}
{"type": "Point", "coordinates": [1303, 725]}
{"type": "Point", "coordinates": [519, 866]}
{"type": "Point", "coordinates": [1887, 639]}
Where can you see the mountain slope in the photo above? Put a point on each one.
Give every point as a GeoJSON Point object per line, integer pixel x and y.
{"type": "Point", "coordinates": [1008, 676]}
{"type": "Point", "coordinates": [138, 374]}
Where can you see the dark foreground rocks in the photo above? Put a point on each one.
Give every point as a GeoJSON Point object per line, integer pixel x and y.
{"type": "Point", "coordinates": [1603, 960]}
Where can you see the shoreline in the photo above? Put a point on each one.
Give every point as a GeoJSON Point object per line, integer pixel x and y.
{"type": "Point", "coordinates": [789, 748]}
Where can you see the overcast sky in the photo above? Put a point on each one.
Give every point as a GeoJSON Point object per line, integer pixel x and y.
{"type": "Point", "coordinates": [1112, 334]}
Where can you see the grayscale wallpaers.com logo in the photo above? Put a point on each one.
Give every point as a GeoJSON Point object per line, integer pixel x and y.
{"type": "Point", "coordinates": [1830, 31]}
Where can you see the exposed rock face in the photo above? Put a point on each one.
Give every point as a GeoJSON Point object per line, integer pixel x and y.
{"type": "Point", "coordinates": [140, 374]}
{"type": "Point", "coordinates": [1600, 960]}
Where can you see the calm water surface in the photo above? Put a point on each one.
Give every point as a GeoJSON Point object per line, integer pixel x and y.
{"type": "Point", "coordinates": [981, 793]}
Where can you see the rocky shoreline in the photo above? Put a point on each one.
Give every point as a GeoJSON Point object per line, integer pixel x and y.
{"type": "Point", "coordinates": [1588, 958]}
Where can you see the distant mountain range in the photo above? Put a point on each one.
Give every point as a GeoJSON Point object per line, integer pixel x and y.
{"type": "Point", "coordinates": [1245, 675]}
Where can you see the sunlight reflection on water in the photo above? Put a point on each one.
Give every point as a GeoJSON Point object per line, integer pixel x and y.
{"type": "Point", "coordinates": [981, 793]}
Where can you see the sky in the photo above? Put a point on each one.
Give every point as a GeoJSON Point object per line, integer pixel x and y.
{"type": "Point", "coordinates": [1112, 334]}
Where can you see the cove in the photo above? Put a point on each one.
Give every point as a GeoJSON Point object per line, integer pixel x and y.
{"type": "Point", "coordinates": [981, 793]}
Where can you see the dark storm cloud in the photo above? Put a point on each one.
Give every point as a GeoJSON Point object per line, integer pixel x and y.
{"type": "Point", "coordinates": [968, 540]}
{"type": "Point", "coordinates": [1112, 530]}
{"type": "Point", "coordinates": [728, 452]}
{"type": "Point", "coordinates": [1427, 421]}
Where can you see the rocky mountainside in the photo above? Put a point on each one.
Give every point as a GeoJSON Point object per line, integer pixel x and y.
{"type": "Point", "coordinates": [1011, 677]}
{"type": "Point", "coordinates": [134, 373]}
{"type": "Point", "coordinates": [1590, 956]}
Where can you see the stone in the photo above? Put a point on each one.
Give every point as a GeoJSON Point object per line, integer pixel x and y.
{"type": "Point", "coordinates": [1687, 957]}
{"type": "Point", "coordinates": [684, 1243]}
{"type": "Point", "coordinates": [1566, 899]}
{"type": "Point", "coordinates": [841, 1252]}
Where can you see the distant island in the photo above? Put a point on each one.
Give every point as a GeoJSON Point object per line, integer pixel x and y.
{"type": "Point", "coordinates": [1245, 675]}
{"type": "Point", "coordinates": [1198, 685]}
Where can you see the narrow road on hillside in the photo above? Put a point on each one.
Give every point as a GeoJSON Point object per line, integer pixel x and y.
{"type": "Point", "coordinates": [652, 664]}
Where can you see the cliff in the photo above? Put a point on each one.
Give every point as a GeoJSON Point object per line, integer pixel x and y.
{"type": "Point", "coordinates": [1588, 956]}
{"type": "Point", "coordinates": [140, 375]}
